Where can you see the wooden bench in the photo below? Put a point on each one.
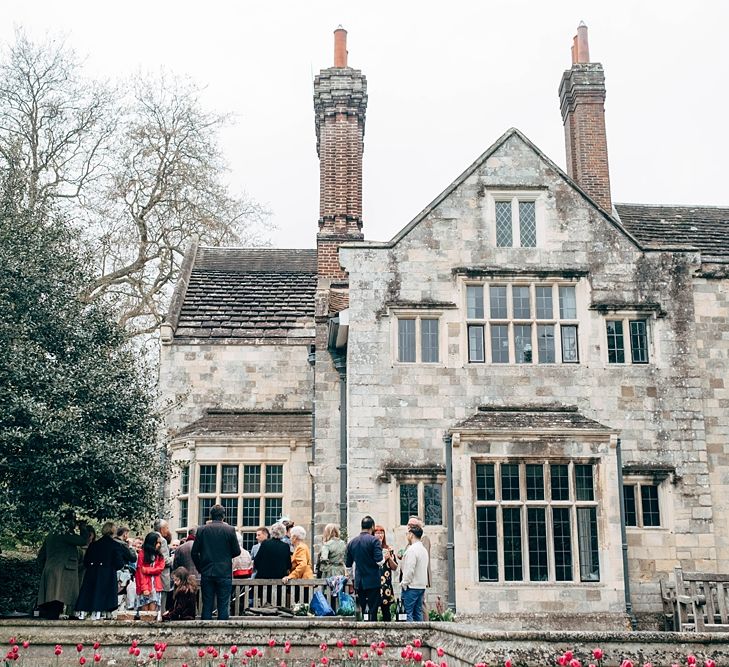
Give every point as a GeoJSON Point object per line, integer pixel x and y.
{"type": "Point", "coordinates": [696, 601]}
{"type": "Point", "coordinates": [250, 595]}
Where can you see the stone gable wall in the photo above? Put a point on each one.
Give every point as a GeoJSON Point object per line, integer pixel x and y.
{"type": "Point", "coordinates": [399, 412]}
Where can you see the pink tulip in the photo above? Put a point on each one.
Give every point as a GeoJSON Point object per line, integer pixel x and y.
{"type": "Point", "coordinates": [691, 660]}
{"type": "Point", "coordinates": [626, 663]}
{"type": "Point", "coordinates": [26, 644]}
{"type": "Point", "coordinates": [282, 664]}
{"type": "Point", "coordinates": [592, 665]}
{"type": "Point", "coordinates": [373, 645]}
{"type": "Point", "coordinates": [82, 661]}
{"type": "Point", "coordinates": [507, 663]}
{"type": "Point", "coordinates": [365, 655]}
{"type": "Point", "coordinates": [137, 651]}
{"type": "Point", "coordinates": [417, 643]}
{"type": "Point", "coordinates": [562, 660]}
{"type": "Point", "coordinates": [272, 642]}
{"type": "Point", "coordinates": [708, 663]}
{"type": "Point", "coordinates": [324, 660]}
{"type": "Point", "coordinates": [350, 653]}
{"type": "Point", "coordinates": [569, 655]}
{"type": "Point", "coordinates": [340, 643]}
{"type": "Point", "coordinates": [403, 654]}
{"type": "Point", "coordinates": [417, 656]}
{"type": "Point", "coordinates": [597, 654]}
{"type": "Point", "coordinates": [79, 647]}
{"type": "Point", "coordinates": [443, 664]}
{"type": "Point", "coordinates": [201, 653]}
{"type": "Point", "coordinates": [379, 651]}
{"type": "Point", "coordinates": [647, 664]}
{"type": "Point", "coordinates": [234, 649]}
{"type": "Point", "coordinates": [353, 641]}
{"type": "Point", "coordinates": [323, 646]}
{"type": "Point", "coordinates": [287, 648]}
{"type": "Point", "coordinates": [97, 657]}
{"type": "Point", "coordinates": [481, 664]}
{"type": "Point", "coordinates": [575, 663]}
{"type": "Point", "coordinates": [440, 652]}
{"type": "Point", "coordinates": [158, 655]}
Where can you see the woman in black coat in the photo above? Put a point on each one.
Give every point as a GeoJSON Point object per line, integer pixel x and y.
{"type": "Point", "coordinates": [99, 591]}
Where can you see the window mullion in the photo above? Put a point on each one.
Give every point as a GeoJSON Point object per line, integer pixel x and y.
{"type": "Point", "coordinates": [515, 223]}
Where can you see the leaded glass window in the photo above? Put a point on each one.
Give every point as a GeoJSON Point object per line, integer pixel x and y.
{"type": "Point", "coordinates": [528, 224]}
{"type": "Point", "coordinates": [406, 340]}
{"type": "Point", "coordinates": [504, 235]}
{"type": "Point", "coordinates": [548, 532]}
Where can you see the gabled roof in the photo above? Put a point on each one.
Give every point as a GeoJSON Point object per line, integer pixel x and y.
{"type": "Point", "coordinates": [512, 132]}
{"type": "Point", "coordinates": [529, 418]}
{"type": "Point", "coordinates": [286, 424]}
{"type": "Point", "coordinates": [247, 293]}
{"type": "Point", "coordinates": [704, 227]}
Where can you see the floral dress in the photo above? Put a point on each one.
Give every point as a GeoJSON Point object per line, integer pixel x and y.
{"type": "Point", "coordinates": [387, 594]}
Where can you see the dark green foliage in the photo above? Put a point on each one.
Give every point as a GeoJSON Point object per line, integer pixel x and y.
{"type": "Point", "coordinates": [77, 420]}
{"type": "Point", "coordinates": [21, 575]}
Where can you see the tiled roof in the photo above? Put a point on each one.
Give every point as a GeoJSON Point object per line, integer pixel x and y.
{"type": "Point", "coordinates": [705, 227]}
{"type": "Point", "coordinates": [292, 424]}
{"type": "Point", "coordinates": [528, 417]}
{"type": "Point", "coordinates": [249, 293]}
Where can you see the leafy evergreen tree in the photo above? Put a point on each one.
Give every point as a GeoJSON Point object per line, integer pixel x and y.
{"type": "Point", "coordinates": [78, 425]}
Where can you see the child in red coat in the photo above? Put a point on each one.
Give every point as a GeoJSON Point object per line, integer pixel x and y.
{"type": "Point", "coordinates": [150, 565]}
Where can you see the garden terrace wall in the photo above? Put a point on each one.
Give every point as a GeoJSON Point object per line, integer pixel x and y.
{"type": "Point", "coordinates": [463, 644]}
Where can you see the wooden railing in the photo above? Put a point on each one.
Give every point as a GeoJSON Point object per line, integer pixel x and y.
{"type": "Point", "coordinates": [271, 594]}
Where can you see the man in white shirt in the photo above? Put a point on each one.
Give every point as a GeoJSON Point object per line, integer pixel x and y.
{"type": "Point", "coordinates": [414, 568]}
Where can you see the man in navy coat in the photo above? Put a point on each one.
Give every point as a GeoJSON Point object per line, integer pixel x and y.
{"type": "Point", "coordinates": [365, 551]}
{"type": "Point", "coordinates": [213, 551]}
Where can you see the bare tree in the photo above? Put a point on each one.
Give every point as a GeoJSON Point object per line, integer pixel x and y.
{"type": "Point", "coordinates": [139, 173]}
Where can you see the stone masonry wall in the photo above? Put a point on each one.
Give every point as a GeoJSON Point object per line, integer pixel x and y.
{"type": "Point", "coordinates": [266, 376]}
{"type": "Point", "coordinates": [399, 412]}
{"type": "Point", "coordinates": [711, 298]}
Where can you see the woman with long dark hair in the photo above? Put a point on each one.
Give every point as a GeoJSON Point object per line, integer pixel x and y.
{"type": "Point", "coordinates": [387, 594]}
{"type": "Point", "coordinates": [184, 597]}
{"type": "Point", "coordinates": [150, 564]}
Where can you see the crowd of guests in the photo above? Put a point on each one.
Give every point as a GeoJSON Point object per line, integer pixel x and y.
{"type": "Point", "coordinates": [83, 575]}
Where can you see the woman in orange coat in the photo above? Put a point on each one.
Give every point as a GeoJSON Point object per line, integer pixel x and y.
{"type": "Point", "coordinates": [150, 564]}
{"type": "Point", "coordinates": [301, 558]}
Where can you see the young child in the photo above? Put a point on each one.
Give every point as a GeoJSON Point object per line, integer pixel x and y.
{"type": "Point", "coordinates": [184, 597]}
{"type": "Point", "coordinates": [150, 564]}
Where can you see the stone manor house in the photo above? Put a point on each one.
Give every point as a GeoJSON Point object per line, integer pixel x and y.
{"type": "Point", "coordinates": [503, 367]}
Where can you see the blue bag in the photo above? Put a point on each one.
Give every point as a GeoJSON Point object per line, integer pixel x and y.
{"type": "Point", "coordinates": [346, 605]}
{"type": "Point", "coordinates": [320, 606]}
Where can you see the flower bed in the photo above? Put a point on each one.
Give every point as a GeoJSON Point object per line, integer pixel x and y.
{"type": "Point", "coordinates": [282, 653]}
{"type": "Point", "coordinates": [287, 644]}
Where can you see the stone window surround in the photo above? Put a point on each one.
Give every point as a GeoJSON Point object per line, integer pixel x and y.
{"type": "Point", "coordinates": [417, 315]}
{"type": "Point", "coordinates": [626, 317]}
{"type": "Point", "coordinates": [191, 453]}
{"type": "Point", "coordinates": [420, 475]}
{"type": "Point", "coordinates": [572, 504]}
{"type": "Point", "coordinates": [661, 483]}
{"type": "Point", "coordinates": [538, 196]}
{"type": "Point", "coordinates": [532, 281]}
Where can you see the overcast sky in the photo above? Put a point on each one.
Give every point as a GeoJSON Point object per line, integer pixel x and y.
{"type": "Point", "coordinates": [445, 80]}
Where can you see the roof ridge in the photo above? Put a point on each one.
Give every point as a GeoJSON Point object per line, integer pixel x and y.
{"type": "Point", "coordinates": [709, 206]}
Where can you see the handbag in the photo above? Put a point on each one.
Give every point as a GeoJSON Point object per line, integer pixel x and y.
{"type": "Point", "coordinates": [320, 606]}
{"type": "Point", "coordinates": [346, 605]}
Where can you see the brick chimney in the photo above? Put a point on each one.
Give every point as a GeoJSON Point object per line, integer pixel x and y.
{"type": "Point", "coordinates": [340, 103]}
{"type": "Point", "coordinates": [582, 102]}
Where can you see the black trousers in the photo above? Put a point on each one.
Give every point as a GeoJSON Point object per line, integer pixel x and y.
{"type": "Point", "coordinates": [368, 600]}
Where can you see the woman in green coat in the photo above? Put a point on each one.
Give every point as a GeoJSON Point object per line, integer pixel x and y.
{"type": "Point", "coordinates": [332, 554]}
{"type": "Point", "coordinates": [60, 558]}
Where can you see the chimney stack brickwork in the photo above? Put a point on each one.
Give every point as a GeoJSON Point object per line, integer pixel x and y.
{"type": "Point", "coordinates": [582, 102]}
{"type": "Point", "coordinates": [340, 104]}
